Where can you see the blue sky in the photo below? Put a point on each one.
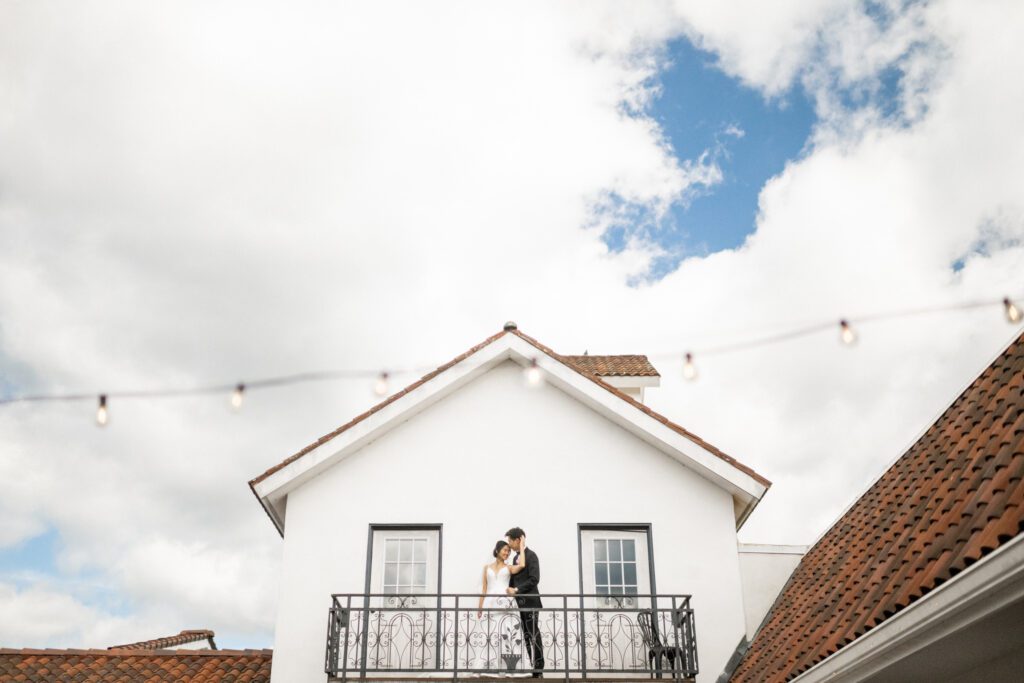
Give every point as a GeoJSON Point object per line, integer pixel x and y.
{"type": "Point", "coordinates": [36, 554]}
{"type": "Point", "coordinates": [701, 109]}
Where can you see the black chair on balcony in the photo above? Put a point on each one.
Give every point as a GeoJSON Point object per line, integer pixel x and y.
{"type": "Point", "coordinates": [657, 650]}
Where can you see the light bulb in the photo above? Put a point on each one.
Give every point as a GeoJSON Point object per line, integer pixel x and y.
{"type": "Point", "coordinates": [381, 386]}
{"type": "Point", "coordinates": [846, 333]}
{"type": "Point", "coordinates": [237, 395]}
{"type": "Point", "coordinates": [102, 417]}
{"type": "Point", "coordinates": [1013, 313]}
{"type": "Point", "coordinates": [533, 373]}
{"type": "Point", "coordinates": [689, 369]}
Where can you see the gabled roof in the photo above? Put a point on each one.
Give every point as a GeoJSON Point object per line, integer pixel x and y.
{"type": "Point", "coordinates": [168, 642]}
{"type": "Point", "coordinates": [614, 366]}
{"type": "Point", "coordinates": [746, 486]}
{"type": "Point", "coordinates": [953, 498]}
{"type": "Point", "coordinates": [136, 666]}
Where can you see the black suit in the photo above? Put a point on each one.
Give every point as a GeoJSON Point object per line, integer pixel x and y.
{"type": "Point", "coordinates": [527, 585]}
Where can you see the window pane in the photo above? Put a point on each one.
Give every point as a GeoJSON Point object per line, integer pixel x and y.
{"type": "Point", "coordinates": [629, 550]}
{"type": "Point", "coordinates": [600, 550]}
{"type": "Point", "coordinates": [614, 550]}
{"type": "Point", "coordinates": [615, 590]}
{"type": "Point", "coordinates": [419, 550]}
{"type": "Point", "coordinates": [630, 590]}
{"type": "Point", "coordinates": [421, 575]}
{"type": "Point", "coordinates": [406, 550]}
{"type": "Point", "coordinates": [615, 574]}
{"type": "Point", "coordinates": [404, 574]}
{"type": "Point", "coordinates": [601, 573]}
{"type": "Point", "coordinates": [390, 574]}
{"type": "Point", "coordinates": [629, 573]}
{"type": "Point", "coordinates": [602, 590]}
{"type": "Point", "coordinates": [390, 550]}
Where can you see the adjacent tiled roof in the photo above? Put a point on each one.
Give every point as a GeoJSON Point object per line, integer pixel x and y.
{"type": "Point", "coordinates": [614, 366]}
{"type": "Point", "coordinates": [533, 342]}
{"type": "Point", "coordinates": [170, 641]}
{"type": "Point", "coordinates": [954, 497]}
{"type": "Point", "coordinates": [135, 666]}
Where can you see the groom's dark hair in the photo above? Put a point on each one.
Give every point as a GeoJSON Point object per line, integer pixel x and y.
{"type": "Point", "coordinates": [515, 532]}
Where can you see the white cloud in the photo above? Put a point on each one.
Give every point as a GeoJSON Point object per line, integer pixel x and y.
{"type": "Point", "coordinates": [41, 616]}
{"type": "Point", "coordinates": [199, 193]}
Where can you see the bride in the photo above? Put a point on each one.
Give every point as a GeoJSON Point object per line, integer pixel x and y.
{"type": "Point", "coordinates": [497, 576]}
{"type": "Point", "coordinates": [498, 635]}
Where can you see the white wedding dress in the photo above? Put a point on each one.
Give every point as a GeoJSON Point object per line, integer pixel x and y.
{"type": "Point", "coordinates": [497, 584]}
{"type": "Point", "coordinates": [497, 634]}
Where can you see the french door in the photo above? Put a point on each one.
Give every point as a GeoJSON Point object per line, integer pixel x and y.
{"type": "Point", "coordinates": [402, 630]}
{"type": "Point", "coordinates": [616, 572]}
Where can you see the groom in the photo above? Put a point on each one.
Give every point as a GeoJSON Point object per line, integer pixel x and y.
{"type": "Point", "coordinates": [526, 591]}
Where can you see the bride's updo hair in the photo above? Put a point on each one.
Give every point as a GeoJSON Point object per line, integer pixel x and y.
{"type": "Point", "coordinates": [498, 546]}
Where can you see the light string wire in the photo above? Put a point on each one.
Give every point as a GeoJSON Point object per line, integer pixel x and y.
{"type": "Point", "coordinates": [845, 326]}
{"type": "Point", "coordinates": [1010, 309]}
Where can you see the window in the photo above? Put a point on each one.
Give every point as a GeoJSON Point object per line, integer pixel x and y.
{"type": "Point", "coordinates": [615, 566]}
{"type": "Point", "coordinates": [404, 562]}
{"type": "Point", "coordinates": [405, 566]}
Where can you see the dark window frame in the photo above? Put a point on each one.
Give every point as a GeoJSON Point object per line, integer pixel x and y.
{"type": "Point", "coordinates": [439, 528]}
{"type": "Point", "coordinates": [641, 527]}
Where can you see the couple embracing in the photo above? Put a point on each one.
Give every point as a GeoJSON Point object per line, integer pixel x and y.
{"type": "Point", "coordinates": [518, 581]}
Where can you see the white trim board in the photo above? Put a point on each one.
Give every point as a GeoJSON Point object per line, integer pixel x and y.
{"type": "Point", "coordinates": [746, 490]}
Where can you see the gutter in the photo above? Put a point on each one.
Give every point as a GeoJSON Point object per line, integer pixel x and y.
{"type": "Point", "coordinates": [985, 587]}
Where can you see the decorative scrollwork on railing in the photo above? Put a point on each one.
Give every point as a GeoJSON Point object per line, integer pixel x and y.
{"type": "Point", "coordinates": [401, 601]}
{"type": "Point", "coordinates": [582, 639]}
{"type": "Point", "coordinates": [618, 601]}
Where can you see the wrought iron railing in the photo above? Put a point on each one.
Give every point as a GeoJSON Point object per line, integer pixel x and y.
{"type": "Point", "coordinates": [374, 636]}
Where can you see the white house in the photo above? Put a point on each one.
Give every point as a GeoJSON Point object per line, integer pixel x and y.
{"type": "Point", "coordinates": [405, 503]}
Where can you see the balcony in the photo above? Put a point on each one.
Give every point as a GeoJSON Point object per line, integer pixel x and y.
{"type": "Point", "coordinates": [447, 636]}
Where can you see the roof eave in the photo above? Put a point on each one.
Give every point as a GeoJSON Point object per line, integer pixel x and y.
{"type": "Point", "coordinates": [983, 588]}
{"type": "Point", "coordinates": [268, 508]}
{"type": "Point", "coordinates": [746, 486]}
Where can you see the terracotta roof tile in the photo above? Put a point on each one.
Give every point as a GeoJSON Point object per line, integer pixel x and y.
{"type": "Point", "coordinates": [182, 638]}
{"type": "Point", "coordinates": [136, 666]}
{"type": "Point", "coordinates": [614, 366]}
{"type": "Point", "coordinates": [955, 496]}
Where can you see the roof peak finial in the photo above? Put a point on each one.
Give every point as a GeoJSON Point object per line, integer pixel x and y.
{"type": "Point", "coordinates": [510, 325]}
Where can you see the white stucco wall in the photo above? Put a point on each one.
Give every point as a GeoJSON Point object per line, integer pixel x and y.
{"type": "Point", "coordinates": [764, 570]}
{"type": "Point", "coordinates": [493, 455]}
{"type": "Point", "coordinates": [203, 644]}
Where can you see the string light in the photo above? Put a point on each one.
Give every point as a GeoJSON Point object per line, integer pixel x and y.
{"type": "Point", "coordinates": [533, 373]}
{"type": "Point", "coordinates": [848, 336]}
{"type": "Point", "coordinates": [101, 411]}
{"type": "Point", "coordinates": [237, 395]}
{"type": "Point", "coordinates": [846, 333]}
{"type": "Point", "coordinates": [1013, 313]}
{"type": "Point", "coordinates": [689, 369]}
